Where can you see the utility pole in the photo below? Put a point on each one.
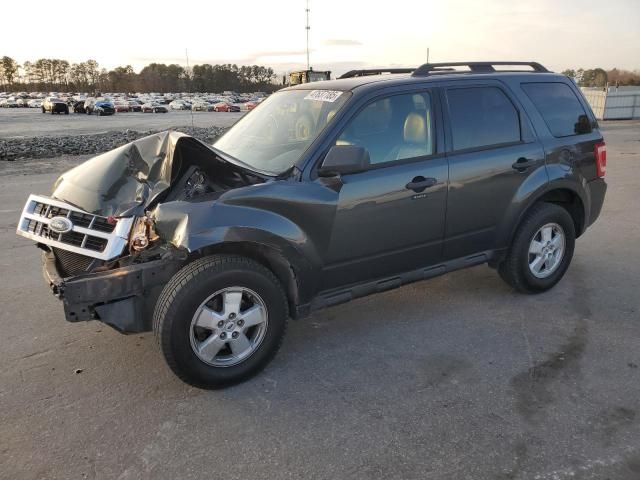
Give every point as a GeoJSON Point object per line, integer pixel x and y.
{"type": "Point", "coordinates": [307, 28]}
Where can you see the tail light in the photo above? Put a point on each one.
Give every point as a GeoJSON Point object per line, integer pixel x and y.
{"type": "Point", "coordinates": [601, 159]}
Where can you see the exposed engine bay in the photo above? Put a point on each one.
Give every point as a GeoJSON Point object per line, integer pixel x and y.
{"type": "Point", "coordinates": [198, 172]}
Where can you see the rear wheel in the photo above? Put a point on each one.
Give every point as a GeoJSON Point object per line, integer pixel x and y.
{"type": "Point", "coordinates": [541, 250]}
{"type": "Point", "coordinates": [220, 320]}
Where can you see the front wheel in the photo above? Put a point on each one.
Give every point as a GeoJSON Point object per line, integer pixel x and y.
{"type": "Point", "coordinates": [220, 320]}
{"type": "Point", "coordinates": [541, 250]}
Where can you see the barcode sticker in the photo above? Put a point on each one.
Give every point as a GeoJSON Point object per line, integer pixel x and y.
{"type": "Point", "coordinates": [323, 95]}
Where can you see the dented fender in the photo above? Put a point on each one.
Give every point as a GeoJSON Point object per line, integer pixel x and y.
{"type": "Point", "coordinates": [264, 215]}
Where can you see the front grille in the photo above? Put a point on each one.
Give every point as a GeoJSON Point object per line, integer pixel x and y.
{"type": "Point", "coordinates": [91, 235]}
{"type": "Point", "coordinates": [75, 239]}
{"type": "Point", "coordinates": [70, 264]}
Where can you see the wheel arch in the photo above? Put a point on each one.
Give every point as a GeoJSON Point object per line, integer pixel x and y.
{"type": "Point", "coordinates": [268, 257]}
{"type": "Point", "coordinates": [562, 195]}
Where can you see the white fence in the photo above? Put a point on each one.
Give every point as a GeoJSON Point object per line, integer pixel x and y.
{"type": "Point", "coordinates": [616, 104]}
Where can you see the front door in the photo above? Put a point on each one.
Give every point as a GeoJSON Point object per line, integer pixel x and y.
{"type": "Point", "coordinates": [389, 219]}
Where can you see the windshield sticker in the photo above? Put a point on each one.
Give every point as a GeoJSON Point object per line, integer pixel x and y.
{"type": "Point", "coordinates": [323, 95]}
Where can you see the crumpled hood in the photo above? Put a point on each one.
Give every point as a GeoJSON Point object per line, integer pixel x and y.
{"type": "Point", "coordinates": [123, 181]}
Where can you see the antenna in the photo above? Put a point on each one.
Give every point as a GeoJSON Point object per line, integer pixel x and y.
{"type": "Point", "coordinates": [427, 54]}
{"type": "Point", "coordinates": [308, 27]}
{"type": "Point", "coordinates": [186, 54]}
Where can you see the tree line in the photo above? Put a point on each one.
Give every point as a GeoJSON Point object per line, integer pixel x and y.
{"type": "Point", "coordinates": [598, 77]}
{"type": "Point", "coordinates": [54, 74]}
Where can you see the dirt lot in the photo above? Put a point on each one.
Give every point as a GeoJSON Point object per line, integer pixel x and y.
{"type": "Point", "coordinates": [453, 378]}
{"type": "Point", "coordinates": [31, 122]}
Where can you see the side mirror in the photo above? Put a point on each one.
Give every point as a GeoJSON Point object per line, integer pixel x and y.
{"type": "Point", "coordinates": [344, 159]}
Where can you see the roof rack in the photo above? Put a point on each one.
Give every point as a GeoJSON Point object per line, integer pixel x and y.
{"type": "Point", "coordinates": [474, 67]}
{"type": "Point", "coordinates": [375, 71]}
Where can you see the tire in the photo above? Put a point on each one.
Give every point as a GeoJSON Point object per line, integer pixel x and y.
{"type": "Point", "coordinates": [185, 295]}
{"type": "Point", "coordinates": [515, 269]}
{"type": "Point", "coordinates": [66, 112]}
{"type": "Point", "coordinates": [43, 110]}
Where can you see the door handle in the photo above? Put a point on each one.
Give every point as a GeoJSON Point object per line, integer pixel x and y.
{"type": "Point", "coordinates": [419, 184]}
{"type": "Point", "coordinates": [523, 164]}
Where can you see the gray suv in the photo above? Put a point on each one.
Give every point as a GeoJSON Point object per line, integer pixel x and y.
{"type": "Point", "coordinates": [324, 193]}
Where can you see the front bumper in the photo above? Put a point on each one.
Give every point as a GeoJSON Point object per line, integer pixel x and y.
{"type": "Point", "coordinates": [123, 298]}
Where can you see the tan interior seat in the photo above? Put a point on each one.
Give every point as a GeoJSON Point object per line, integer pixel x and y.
{"type": "Point", "coordinates": [416, 138]}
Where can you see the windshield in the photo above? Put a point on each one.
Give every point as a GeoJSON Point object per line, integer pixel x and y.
{"type": "Point", "coordinates": [274, 136]}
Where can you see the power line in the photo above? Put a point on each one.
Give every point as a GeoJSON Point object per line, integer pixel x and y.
{"type": "Point", "coordinates": [308, 27]}
{"type": "Point", "coordinates": [186, 54]}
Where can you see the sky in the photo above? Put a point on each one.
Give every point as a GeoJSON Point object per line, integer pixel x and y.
{"type": "Point", "coordinates": [344, 34]}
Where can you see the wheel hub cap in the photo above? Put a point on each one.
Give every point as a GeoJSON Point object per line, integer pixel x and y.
{"type": "Point", "coordinates": [228, 327]}
{"type": "Point", "coordinates": [546, 250]}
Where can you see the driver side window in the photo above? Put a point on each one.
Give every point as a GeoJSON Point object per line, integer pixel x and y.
{"type": "Point", "coordinates": [393, 128]}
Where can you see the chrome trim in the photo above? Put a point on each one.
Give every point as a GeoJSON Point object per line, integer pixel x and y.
{"type": "Point", "coordinates": [116, 240]}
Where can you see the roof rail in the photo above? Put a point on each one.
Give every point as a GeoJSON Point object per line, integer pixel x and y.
{"type": "Point", "coordinates": [474, 67]}
{"type": "Point", "coordinates": [375, 71]}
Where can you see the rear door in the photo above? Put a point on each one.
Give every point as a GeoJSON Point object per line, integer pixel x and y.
{"type": "Point", "coordinates": [492, 154]}
{"type": "Point", "coordinates": [390, 219]}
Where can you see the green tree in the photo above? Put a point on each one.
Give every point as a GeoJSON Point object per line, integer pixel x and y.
{"type": "Point", "coordinates": [596, 77]}
{"type": "Point", "coordinates": [9, 69]}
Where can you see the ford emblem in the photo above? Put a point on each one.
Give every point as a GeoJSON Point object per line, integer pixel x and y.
{"type": "Point", "coordinates": [60, 224]}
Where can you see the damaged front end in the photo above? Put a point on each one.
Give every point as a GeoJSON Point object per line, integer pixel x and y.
{"type": "Point", "coordinates": [105, 255]}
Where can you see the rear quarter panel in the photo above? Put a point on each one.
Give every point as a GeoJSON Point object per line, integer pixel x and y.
{"type": "Point", "coordinates": [570, 160]}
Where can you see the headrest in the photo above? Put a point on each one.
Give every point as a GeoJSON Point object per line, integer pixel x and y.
{"type": "Point", "coordinates": [415, 128]}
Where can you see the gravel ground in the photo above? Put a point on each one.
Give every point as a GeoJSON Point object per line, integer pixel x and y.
{"type": "Point", "coordinates": [29, 122]}
{"type": "Point", "coordinates": [47, 147]}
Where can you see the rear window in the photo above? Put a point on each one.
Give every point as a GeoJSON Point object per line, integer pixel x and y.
{"type": "Point", "coordinates": [482, 117]}
{"type": "Point", "coordinates": [559, 107]}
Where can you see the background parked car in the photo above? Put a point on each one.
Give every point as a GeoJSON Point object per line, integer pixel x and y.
{"type": "Point", "coordinates": [55, 105]}
{"type": "Point", "coordinates": [225, 107]}
{"type": "Point", "coordinates": [121, 106]}
{"type": "Point", "coordinates": [99, 106]}
{"type": "Point", "coordinates": [180, 105]}
{"type": "Point", "coordinates": [201, 106]}
{"type": "Point", "coordinates": [34, 103]}
{"type": "Point", "coordinates": [134, 106]}
{"type": "Point", "coordinates": [154, 108]}
{"type": "Point", "coordinates": [78, 106]}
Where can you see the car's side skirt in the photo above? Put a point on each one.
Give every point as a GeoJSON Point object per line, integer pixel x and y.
{"type": "Point", "coordinates": [345, 294]}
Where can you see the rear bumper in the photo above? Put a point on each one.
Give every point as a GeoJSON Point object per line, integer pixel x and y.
{"type": "Point", "coordinates": [597, 191]}
{"type": "Point", "coordinates": [123, 298]}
